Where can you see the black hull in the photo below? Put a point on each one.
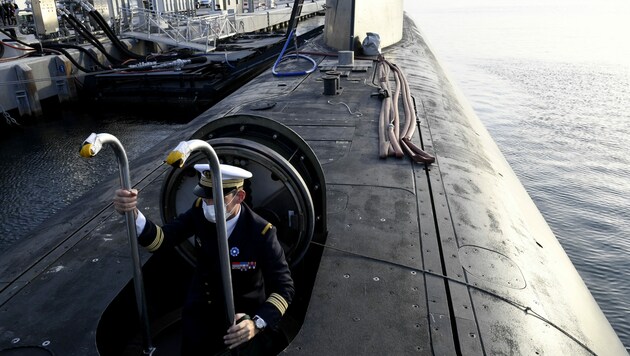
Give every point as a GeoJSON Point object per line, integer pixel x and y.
{"type": "Point", "coordinates": [390, 256]}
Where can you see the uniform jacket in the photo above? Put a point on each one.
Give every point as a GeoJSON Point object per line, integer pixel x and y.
{"type": "Point", "coordinates": [261, 279]}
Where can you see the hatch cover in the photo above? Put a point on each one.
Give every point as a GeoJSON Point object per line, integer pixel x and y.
{"type": "Point", "coordinates": [261, 105]}
{"type": "Point", "coordinates": [491, 266]}
{"type": "Point", "coordinates": [289, 190]}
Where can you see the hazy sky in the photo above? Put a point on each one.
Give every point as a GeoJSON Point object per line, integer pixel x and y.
{"type": "Point", "coordinates": [563, 30]}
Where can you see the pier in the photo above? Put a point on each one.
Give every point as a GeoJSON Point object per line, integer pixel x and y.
{"type": "Point", "coordinates": [25, 82]}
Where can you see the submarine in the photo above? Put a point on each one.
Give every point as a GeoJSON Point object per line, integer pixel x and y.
{"type": "Point", "coordinates": [406, 230]}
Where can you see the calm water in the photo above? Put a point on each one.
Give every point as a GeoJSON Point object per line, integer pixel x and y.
{"type": "Point", "coordinates": [551, 82]}
{"type": "Point", "coordinates": [42, 171]}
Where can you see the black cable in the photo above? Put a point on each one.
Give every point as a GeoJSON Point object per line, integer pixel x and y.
{"type": "Point", "coordinates": [82, 49]}
{"type": "Point", "coordinates": [85, 33]}
{"type": "Point", "coordinates": [118, 43]}
{"type": "Point", "coordinates": [112, 36]}
{"type": "Point", "coordinates": [524, 308]}
{"type": "Point", "coordinates": [76, 64]}
{"type": "Point", "coordinates": [17, 40]}
{"type": "Point", "coordinates": [41, 48]}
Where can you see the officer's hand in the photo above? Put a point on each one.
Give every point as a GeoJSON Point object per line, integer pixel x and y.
{"type": "Point", "coordinates": [241, 332]}
{"type": "Point", "coordinates": [125, 200]}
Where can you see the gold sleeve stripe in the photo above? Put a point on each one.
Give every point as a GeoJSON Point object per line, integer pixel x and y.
{"type": "Point", "coordinates": [198, 203]}
{"type": "Point", "coordinates": [269, 226]}
{"type": "Point", "coordinates": [157, 242]}
{"type": "Point", "coordinates": [279, 302]}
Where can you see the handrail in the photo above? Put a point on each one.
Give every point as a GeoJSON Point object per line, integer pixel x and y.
{"type": "Point", "coordinates": [176, 158]}
{"type": "Point", "coordinates": [179, 28]}
{"type": "Point", "coordinates": [90, 147]}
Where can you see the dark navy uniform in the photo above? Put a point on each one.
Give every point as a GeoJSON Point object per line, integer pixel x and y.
{"type": "Point", "coordinates": [258, 266]}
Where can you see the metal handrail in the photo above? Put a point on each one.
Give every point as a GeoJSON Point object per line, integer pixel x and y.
{"type": "Point", "coordinates": [176, 158]}
{"type": "Point", "coordinates": [90, 147]}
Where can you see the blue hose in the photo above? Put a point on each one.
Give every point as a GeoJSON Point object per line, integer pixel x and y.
{"type": "Point", "coordinates": [281, 57]}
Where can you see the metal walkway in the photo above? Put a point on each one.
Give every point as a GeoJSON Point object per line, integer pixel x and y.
{"type": "Point", "coordinates": [200, 33]}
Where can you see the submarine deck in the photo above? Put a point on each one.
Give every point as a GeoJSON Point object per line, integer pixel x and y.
{"type": "Point", "coordinates": [447, 258]}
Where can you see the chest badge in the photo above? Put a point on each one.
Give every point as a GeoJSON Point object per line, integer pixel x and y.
{"type": "Point", "coordinates": [234, 251]}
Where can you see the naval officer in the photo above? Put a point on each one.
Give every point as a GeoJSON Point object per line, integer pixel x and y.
{"type": "Point", "coordinates": [257, 264]}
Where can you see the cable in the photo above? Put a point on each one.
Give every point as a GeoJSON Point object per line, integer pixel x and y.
{"type": "Point", "coordinates": [82, 30]}
{"type": "Point", "coordinates": [85, 33]}
{"type": "Point", "coordinates": [528, 310]}
{"type": "Point", "coordinates": [16, 39]}
{"type": "Point", "coordinates": [17, 48]}
{"type": "Point", "coordinates": [79, 48]}
{"type": "Point", "coordinates": [297, 55]}
{"type": "Point", "coordinates": [356, 113]}
{"type": "Point", "coordinates": [10, 59]}
{"type": "Point", "coordinates": [60, 48]}
{"type": "Point", "coordinates": [110, 34]}
{"type": "Point", "coordinates": [227, 61]}
{"type": "Point", "coordinates": [76, 64]}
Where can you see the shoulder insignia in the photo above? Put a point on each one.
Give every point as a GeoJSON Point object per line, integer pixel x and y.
{"type": "Point", "coordinates": [198, 202]}
{"type": "Point", "coordinates": [264, 231]}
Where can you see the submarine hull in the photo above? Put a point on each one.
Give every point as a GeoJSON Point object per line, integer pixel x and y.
{"type": "Point", "coordinates": [390, 256]}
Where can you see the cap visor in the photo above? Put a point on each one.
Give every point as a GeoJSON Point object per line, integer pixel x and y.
{"type": "Point", "coordinates": [203, 192]}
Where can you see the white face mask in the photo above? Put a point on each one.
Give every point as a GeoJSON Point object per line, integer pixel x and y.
{"type": "Point", "coordinates": [210, 213]}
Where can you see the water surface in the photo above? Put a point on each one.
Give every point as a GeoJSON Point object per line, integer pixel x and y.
{"type": "Point", "coordinates": [41, 171]}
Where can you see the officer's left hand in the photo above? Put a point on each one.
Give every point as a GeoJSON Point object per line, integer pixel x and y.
{"type": "Point", "coordinates": [241, 332]}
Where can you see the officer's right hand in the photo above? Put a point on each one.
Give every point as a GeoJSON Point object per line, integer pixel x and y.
{"type": "Point", "coordinates": [125, 200]}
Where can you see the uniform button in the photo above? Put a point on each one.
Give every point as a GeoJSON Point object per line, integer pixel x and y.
{"type": "Point", "coordinates": [207, 293]}
{"type": "Point", "coordinates": [209, 302]}
{"type": "Point", "coordinates": [206, 283]}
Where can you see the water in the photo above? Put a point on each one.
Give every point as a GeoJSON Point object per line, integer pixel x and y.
{"type": "Point", "coordinates": [551, 82]}
{"type": "Point", "coordinates": [42, 171]}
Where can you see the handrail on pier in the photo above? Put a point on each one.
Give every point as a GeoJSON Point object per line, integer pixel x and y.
{"type": "Point", "coordinates": [200, 32]}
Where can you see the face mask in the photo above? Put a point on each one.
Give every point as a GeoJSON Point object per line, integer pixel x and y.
{"type": "Point", "coordinates": [210, 213]}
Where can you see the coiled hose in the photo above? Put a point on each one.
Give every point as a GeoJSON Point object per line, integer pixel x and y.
{"type": "Point", "coordinates": [281, 57]}
{"type": "Point", "coordinates": [390, 141]}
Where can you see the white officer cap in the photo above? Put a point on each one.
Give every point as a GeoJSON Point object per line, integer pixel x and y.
{"type": "Point", "coordinates": [232, 178]}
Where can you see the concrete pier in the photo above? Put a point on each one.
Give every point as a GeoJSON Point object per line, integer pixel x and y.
{"type": "Point", "coordinates": [24, 82]}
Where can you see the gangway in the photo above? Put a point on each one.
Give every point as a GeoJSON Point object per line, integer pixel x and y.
{"type": "Point", "coordinates": [202, 32]}
{"type": "Point", "coordinates": [199, 32]}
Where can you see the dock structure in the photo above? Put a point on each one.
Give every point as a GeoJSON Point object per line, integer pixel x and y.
{"type": "Point", "coordinates": [25, 82]}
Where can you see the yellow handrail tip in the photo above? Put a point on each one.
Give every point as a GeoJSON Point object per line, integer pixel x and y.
{"type": "Point", "coordinates": [86, 150]}
{"type": "Point", "coordinates": [175, 159]}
